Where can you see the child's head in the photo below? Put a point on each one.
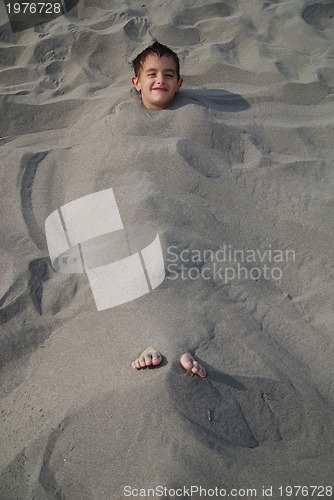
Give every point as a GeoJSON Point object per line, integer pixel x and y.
{"type": "Point", "coordinates": [157, 75]}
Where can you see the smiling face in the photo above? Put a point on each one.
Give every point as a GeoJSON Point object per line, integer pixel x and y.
{"type": "Point", "coordinates": [157, 81]}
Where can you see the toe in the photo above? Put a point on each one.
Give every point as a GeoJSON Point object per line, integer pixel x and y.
{"type": "Point", "coordinates": [201, 372]}
{"type": "Point", "coordinates": [186, 361]}
{"type": "Point", "coordinates": [142, 362]}
{"type": "Point", "coordinates": [148, 359]}
{"type": "Point", "coordinates": [195, 368]}
{"type": "Point", "coordinates": [156, 358]}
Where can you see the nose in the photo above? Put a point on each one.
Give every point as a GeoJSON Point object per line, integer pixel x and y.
{"type": "Point", "coordinates": [160, 78]}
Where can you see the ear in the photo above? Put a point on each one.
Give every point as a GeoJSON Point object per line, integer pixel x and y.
{"type": "Point", "coordinates": [135, 83]}
{"type": "Point", "coordinates": [179, 83]}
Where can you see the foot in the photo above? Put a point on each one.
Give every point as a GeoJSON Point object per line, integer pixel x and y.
{"type": "Point", "coordinates": [191, 365]}
{"type": "Point", "coordinates": [149, 357]}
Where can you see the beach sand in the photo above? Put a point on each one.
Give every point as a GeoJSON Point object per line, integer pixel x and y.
{"type": "Point", "coordinates": [242, 161]}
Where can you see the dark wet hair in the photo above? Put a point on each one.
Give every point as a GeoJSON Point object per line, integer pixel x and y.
{"type": "Point", "coordinates": [158, 49]}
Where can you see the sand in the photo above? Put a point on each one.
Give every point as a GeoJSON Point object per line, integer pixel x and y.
{"type": "Point", "coordinates": [242, 161]}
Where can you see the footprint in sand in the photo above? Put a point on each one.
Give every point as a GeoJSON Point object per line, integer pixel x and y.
{"type": "Point", "coordinates": [109, 20]}
{"type": "Point", "coordinates": [319, 15]}
{"type": "Point", "coordinates": [137, 28]}
{"type": "Point", "coordinates": [197, 14]}
{"type": "Point", "coordinates": [40, 29]}
{"type": "Point", "coordinates": [55, 48]}
{"type": "Point", "coordinates": [72, 28]}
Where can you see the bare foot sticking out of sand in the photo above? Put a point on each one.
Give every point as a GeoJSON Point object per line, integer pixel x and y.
{"type": "Point", "coordinates": [191, 365]}
{"type": "Point", "coordinates": [149, 357]}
